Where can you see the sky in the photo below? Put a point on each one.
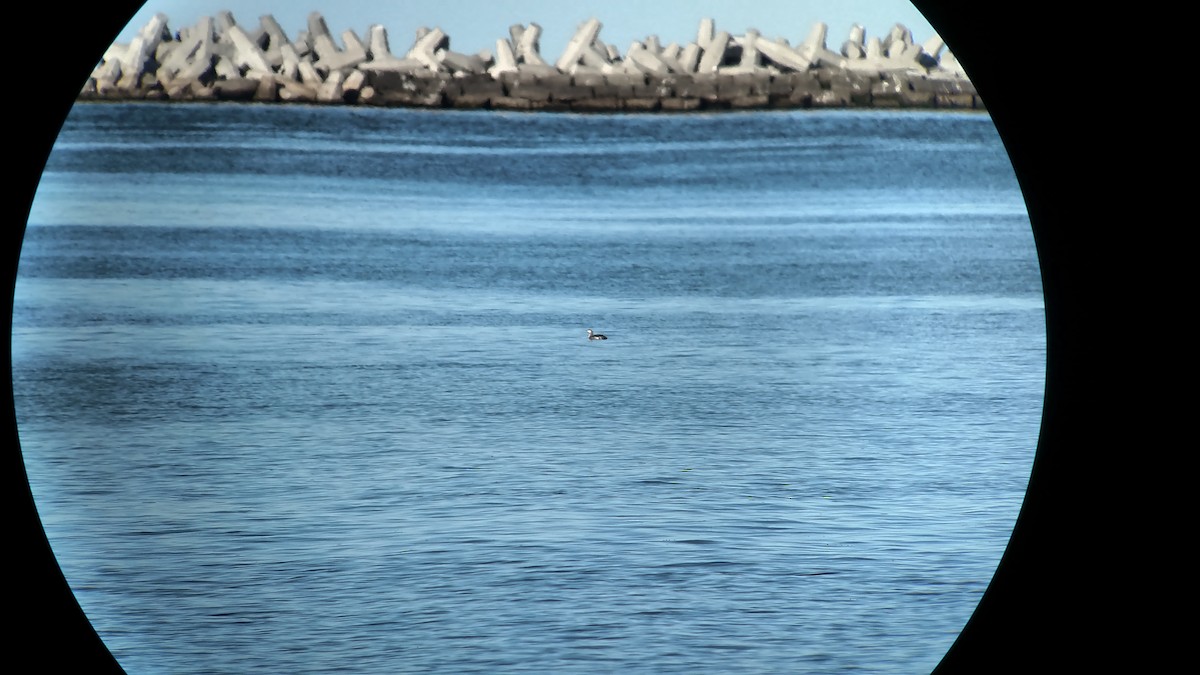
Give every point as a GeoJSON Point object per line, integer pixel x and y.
{"type": "Point", "coordinates": [475, 25]}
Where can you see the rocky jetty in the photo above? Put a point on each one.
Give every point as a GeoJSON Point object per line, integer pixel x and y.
{"type": "Point", "coordinates": [216, 59]}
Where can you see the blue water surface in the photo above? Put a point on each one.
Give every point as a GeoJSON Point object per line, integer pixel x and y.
{"type": "Point", "coordinates": [308, 389]}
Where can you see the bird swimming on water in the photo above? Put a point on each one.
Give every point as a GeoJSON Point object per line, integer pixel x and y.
{"type": "Point", "coordinates": [596, 336]}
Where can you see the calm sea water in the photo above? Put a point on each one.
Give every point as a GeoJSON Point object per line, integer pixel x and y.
{"type": "Point", "coordinates": [307, 390]}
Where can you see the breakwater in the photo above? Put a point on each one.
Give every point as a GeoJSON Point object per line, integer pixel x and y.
{"type": "Point", "coordinates": [216, 59]}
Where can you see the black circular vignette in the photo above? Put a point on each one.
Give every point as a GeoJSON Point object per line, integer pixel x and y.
{"type": "Point", "coordinates": [1062, 596]}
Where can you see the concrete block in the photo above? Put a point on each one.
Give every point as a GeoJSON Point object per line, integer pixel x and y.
{"type": "Point", "coordinates": [584, 36]}
{"type": "Point", "coordinates": [426, 82]}
{"type": "Point", "coordinates": [355, 81]}
{"type": "Point", "coordinates": [191, 56]}
{"type": "Point", "coordinates": [555, 79]}
{"type": "Point", "coordinates": [309, 74]}
{"type": "Point", "coordinates": [275, 39]}
{"type": "Point", "coordinates": [472, 91]}
{"type": "Point", "coordinates": [705, 87]}
{"type": "Point", "coordinates": [626, 67]}
{"type": "Point", "coordinates": [903, 90]}
{"type": "Point", "coordinates": [317, 27]}
{"type": "Point", "coordinates": [676, 104]}
{"type": "Point", "coordinates": [461, 63]}
{"type": "Point", "coordinates": [411, 89]}
{"type": "Point", "coordinates": [933, 46]}
{"type": "Point", "coordinates": [163, 51]}
{"type": "Point", "coordinates": [524, 75]}
{"type": "Point", "coordinates": [907, 54]}
{"type": "Point", "coordinates": [897, 39]}
{"type": "Point", "coordinates": [593, 57]}
{"type": "Point", "coordinates": [626, 79]}
{"type": "Point", "coordinates": [617, 66]}
{"type": "Point", "coordinates": [750, 52]}
{"type": "Point", "coordinates": [702, 87]}
{"type": "Point", "coordinates": [114, 52]}
{"type": "Point", "coordinates": [814, 51]}
{"type": "Point", "coordinates": [529, 91]}
{"type": "Point", "coordinates": [779, 85]}
{"type": "Point", "coordinates": [598, 104]}
{"type": "Point", "coordinates": [235, 89]}
{"type": "Point", "coordinates": [104, 78]}
{"type": "Point", "coordinates": [202, 93]}
{"type": "Point", "coordinates": [296, 92]}
{"type": "Point", "coordinates": [380, 56]}
{"type": "Point", "coordinates": [105, 87]}
{"type": "Point", "coordinates": [248, 55]}
{"type": "Point", "coordinates": [950, 66]}
{"type": "Point", "coordinates": [330, 57]}
{"type": "Point", "coordinates": [354, 52]}
{"type": "Point", "coordinates": [178, 91]}
{"type": "Point", "coordinates": [378, 48]}
{"type": "Point", "coordinates": [588, 79]}
{"type": "Point", "coordinates": [405, 65]}
{"type": "Point", "coordinates": [139, 56]}
{"type": "Point", "coordinates": [706, 32]}
{"type": "Point", "coordinates": [223, 21]}
{"type": "Point", "coordinates": [534, 71]}
{"type": "Point", "coordinates": [526, 46]}
{"type": "Point", "coordinates": [511, 103]}
{"type": "Point", "coordinates": [571, 92]}
{"type": "Point", "coordinates": [477, 85]}
{"type": "Point", "coordinates": [853, 47]}
{"type": "Point", "coordinates": [324, 50]}
{"type": "Point", "coordinates": [854, 88]}
{"type": "Point", "coordinates": [931, 51]}
{"type": "Point", "coordinates": [656, 87]}
{"type": "Point", "coordinates": [465, 101]}
{"type": "Point", "coordinates": [353, 42]}
{"type": "Point", "coordinates": [426, 46]}
{"type": "Point", "coordinates": [871, 62]}
{"type": "Point", "coordinates": [330, 90]}
{"type": "Point", "coordinates": [645, 60]}
{"type": "Point", "coordinates": [226, 69]}
{"type": "Point", "coordinates": [200, 69]}
{"type": "Point", "coordinates": [875, 50]}
{"type": "Point", "coordinates": [670, 56]}
{"type": "Point", "coordinates": [734, 85]}
{"type": "Point", "coordinates": [689, 58]}
{"type": "Point", "coordinates": [611, 91]}
{"type": "Point", "coordinates": [515, 31]}
{"type": "Point", "coordinates": [800, 98]}
{"type": "Point", "coordinates": [830, 98]}
{"type": "Point", "coordinates": [816, 38]}
{"type": "Point", "coordinates": [550, 106]}
{"type": "Point", "coordinates": [303, 45]}
{"type": "Point", "coordinates": [752, 101]}
{"type": "Point", "coordinates": [268, 89]}
{"type": "Point", "coordinates": [782, 55]}
{"type": "Point", "coordinates": [959, 101]}
{"type": "Point", "coordinates": [506, 59]}
{"type": "Point", "coordinates": [642, 104]}
{"type": "Point", "coordinates": [205, 25]}
{"type": "Point", "coordinates": [714, 53]}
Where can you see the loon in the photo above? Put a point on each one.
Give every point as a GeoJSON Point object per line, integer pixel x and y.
{"type": "Point", "coordinates": [596, 336]}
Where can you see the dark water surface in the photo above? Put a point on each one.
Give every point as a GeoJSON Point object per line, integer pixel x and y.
{"type": "Point", "coordinates": [307, 389]}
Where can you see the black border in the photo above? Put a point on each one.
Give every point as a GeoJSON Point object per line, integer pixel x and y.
{"type": "Point", "coordinates": [1063, 598]}
{"type": "Point", "coordinates": [53, 51]}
